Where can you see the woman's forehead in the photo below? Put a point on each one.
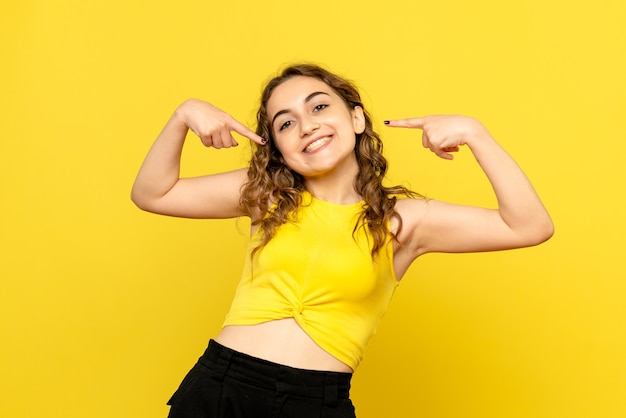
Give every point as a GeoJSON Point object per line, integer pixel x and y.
{"type": "Point", "coordinates": [295, 91]}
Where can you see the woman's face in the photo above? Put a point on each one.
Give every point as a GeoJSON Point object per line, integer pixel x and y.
{"type": "Point", "coordinates": [313, 128]}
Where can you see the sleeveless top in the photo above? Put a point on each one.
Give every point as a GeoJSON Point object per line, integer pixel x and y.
{"type": "Point", "coordinates": [318, 271]}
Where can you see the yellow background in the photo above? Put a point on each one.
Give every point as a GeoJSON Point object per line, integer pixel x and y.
{"type": "Point", "coordinates": [104, 308]}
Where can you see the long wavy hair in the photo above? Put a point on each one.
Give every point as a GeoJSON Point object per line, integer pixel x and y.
{"type": "Point", "coordinates": [276, 190]}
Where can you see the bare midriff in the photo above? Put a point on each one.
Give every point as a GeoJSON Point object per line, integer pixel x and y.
{"type": "Point", "coordinates": [280, 341]}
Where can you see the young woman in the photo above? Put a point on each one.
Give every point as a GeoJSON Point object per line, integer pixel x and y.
{"type": "Point", "coordinates": [329, 242]}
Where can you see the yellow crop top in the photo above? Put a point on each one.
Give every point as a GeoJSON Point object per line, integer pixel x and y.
{"type": "Point", "coordinates": [316, 271]}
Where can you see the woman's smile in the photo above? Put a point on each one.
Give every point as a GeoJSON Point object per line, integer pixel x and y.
{"type": "Point", "coordinates": [317, 144]}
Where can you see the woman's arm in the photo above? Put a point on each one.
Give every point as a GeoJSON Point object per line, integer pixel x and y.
{"type": "Point", "coordinates": [158, 187]}
{"type": "Point", "coordinates": [520, 220]}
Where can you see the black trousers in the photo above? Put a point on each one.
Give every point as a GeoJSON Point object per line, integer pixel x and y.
{"type": "Point", "coordinates": [227, 384]}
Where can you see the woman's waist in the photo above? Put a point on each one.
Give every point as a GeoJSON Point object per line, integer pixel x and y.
{"type": "Point", "coordinates": [224, 363]}
{"type": "Point", "coordinates": [281, 341]}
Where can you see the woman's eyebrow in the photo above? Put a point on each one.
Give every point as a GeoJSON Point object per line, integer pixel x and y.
{"type": "Point", "coordinates": [306, 100]}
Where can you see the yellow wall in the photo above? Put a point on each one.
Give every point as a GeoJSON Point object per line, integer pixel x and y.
{"type": "Point", "coordinates": [103, 308]}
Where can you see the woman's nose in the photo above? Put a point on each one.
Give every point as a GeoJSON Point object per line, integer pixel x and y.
{"type": "Point", "coordinates": [308, 126]}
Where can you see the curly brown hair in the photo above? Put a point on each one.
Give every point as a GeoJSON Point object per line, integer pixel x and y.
{"type": "Point", "coordinates": [276, 190]}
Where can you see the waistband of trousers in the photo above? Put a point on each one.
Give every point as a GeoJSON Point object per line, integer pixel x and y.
{"type": "Point", "coordinates": [223, 361]}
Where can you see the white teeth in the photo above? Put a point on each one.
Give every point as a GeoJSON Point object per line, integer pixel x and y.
{"type": "Point", "coordinates": [315, 145]}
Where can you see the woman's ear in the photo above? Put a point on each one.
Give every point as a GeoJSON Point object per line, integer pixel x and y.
{"type": "Point", "coordinates": [358, 120]}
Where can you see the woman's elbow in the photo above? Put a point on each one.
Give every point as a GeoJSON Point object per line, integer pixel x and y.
{"type": "Point", "coordinates": [140, 200]}
{"type": "Point", "coordinates": [542, 231]}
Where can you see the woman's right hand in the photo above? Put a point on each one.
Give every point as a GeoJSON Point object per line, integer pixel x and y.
{"type": "Point", "coordinates": [213, 126]}
{"type": "Point", "coordinates": [159, 188]}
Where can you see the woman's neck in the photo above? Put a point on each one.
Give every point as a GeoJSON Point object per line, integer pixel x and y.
{"type": "Point", "coordinates": [336, 187]}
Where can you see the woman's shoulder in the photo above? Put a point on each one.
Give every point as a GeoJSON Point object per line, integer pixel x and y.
{"type": "Point", "coordinates": [410, 211]}
{"type": "Point", "coordinates": [411, 206]}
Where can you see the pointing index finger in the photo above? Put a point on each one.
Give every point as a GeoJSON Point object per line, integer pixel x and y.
{"type": "Point", "coordinates": [243, 130]}
{"type": "Point", "coordinates": [406, 123]}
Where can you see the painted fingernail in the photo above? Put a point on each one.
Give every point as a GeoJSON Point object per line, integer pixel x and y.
{"type": "Point", "coordinates": [386, 122]}
{"type": "Point", "coordinates": [263, 141]}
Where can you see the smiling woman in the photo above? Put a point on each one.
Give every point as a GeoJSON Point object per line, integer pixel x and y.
{"type": "Point", "coordinates": [313, 90]}
{"type": "Point", "coordinates": [329, 243]}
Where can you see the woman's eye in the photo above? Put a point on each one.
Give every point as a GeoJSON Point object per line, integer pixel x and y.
{"type": "Point", "coordinates": [320, 107]}
{"type": "Point", "coordinates": [285, 125]}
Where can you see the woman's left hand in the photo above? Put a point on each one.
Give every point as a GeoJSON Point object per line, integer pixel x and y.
{"type": "Point", "coordinates": [432, 226]}
{"type": "Point", "coordinates": [444, 134]}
